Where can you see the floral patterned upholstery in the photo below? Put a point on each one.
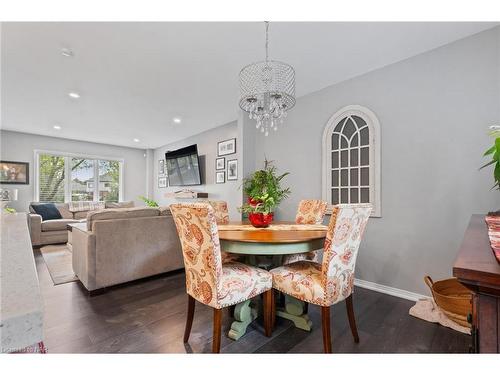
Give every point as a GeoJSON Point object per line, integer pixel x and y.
{"type": "Point", "coordinates": [208, 280]}
{"type": "Point", "coordinates": [332, 281]}
{"type": "Point", "coordinates": [241, 282]}
{"type": "Point", "coordinates": [222, 217]}
{"type": "Point", "coordinates": [221, 212]}
{"type": "Point", "coordinates": [310, 211]}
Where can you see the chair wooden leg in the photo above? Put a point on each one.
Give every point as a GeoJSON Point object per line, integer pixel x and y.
{"type": "Point", "coordinates": [189, 319]}
{"type": "Point", "coordinates": [217, 330]}
{"type": "Point", "coordinates": [352, 319]}
{"type": "Point", "coordinates": [273, 310]}
{"type": "Point", "coordinates": [325, 322]}
{"type": "Point", "coordinates": [268, 306]}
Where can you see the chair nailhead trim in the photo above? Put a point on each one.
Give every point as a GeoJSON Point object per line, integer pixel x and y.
{"type": "Point", "coordinates": [308, 300]}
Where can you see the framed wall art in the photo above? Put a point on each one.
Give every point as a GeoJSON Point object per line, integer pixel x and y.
{"type": "Point", "coordinates": [220, 177]}
{"type": "Point", "coordinates": [232, 170]}
{"type": "Point", "coordinates": [162, 182]}
{"type": "Point", "coordinates": [14, 172]}
{"type": "Point", "coordinates": [220, 164]}
{"type": "Point", "coordinates": [161, 167]}
{"type": "Point", "coordinates": [226, 147]}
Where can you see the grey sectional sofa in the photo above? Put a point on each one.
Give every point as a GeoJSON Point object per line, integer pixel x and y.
{"type": "Point", "coordinates": [121, 245]}
{"type": "Point", "coordinates": [54, 231]}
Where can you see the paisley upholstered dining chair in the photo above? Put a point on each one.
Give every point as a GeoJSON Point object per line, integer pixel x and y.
{"type": "Point", "coordinates": [310, 211]}
{"type": "Point", "coordinates": [221, 212]}
{"type": "Point", "coordinates": [208, 280]}
{"type": "Point", "coordinates": [222, 217]}
{"type": "Point", "coordinates": [332, 281]}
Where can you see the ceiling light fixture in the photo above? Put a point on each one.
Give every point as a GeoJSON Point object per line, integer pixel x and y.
{"type": "Point", "coordinates": [267, 90]}
{"type": "Point", "coordinates": [74, 95]}
{"type": "Point", "coordinates": [136, 140]}
{"type": "Point", "coordinates": [66, 52]}
{"type": "Point", "coordinates": [57, 127]}
{"type": "Point", "coordinates": [177, 120]}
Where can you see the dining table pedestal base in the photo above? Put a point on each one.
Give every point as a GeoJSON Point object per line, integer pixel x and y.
{"type": "Point", "coordinates": [265, 248]}
{"type": "Point", "coordinates": [294, 310]}
{"type": "Point", "coordinates": [244, 314]}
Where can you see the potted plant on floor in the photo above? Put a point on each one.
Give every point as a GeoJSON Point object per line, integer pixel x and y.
{"type": "Point", "coordinates": [264, 191]}
{"type": "Point", "coordinates": [494, 151]}
{"type": "Point", "coordinates": [149, 202]}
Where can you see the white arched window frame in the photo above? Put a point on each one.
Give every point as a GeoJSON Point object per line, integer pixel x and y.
{"type": "Point", "coordinates": [334, 168]}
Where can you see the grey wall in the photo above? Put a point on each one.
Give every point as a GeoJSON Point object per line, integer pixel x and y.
{"type": "Point", "coordinates": [434, 110]}
{"type": "Point", "coordinates": [20, 147]}
{"type": "Point", "coordinates": [207, 149]}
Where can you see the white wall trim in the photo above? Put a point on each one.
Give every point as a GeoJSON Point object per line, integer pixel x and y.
{"type": "Point", "coordinates": [389, 290]}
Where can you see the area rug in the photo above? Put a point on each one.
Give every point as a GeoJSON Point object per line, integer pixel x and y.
{"type": "Point", "coordinates": [426, 309]}
{"type": "Point", "coordinates": [58, 259]}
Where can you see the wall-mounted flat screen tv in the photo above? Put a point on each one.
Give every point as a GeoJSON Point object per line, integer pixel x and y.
{"type": "Point", "coordinates": [183, 166]}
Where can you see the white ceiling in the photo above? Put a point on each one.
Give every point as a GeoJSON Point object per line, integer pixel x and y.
{"type": "Point", "coordinates": [135, 77]}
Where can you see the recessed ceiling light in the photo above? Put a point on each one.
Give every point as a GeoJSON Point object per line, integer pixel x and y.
{"type": "Point", "coordinates": [74, 95]}
{"type": "Point", "coordinates": [57, 127]}
{"type": "Point", "coordinates": [136, 140]}
{"type": "Point", "coordinates": [66, 52]}
{"type": "Point", "coordinates": [177, 120]}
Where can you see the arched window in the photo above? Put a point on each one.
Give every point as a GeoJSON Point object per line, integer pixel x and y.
{"type": "Point", "coordinates": [351, 158]}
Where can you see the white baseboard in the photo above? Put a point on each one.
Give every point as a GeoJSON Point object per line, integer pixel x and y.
{"type": "Point", "coordinates": [389, 290]}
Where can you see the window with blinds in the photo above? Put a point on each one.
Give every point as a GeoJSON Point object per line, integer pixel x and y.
{"type": "Point", "coordinates": [65, 178]}
{"type": "Point", "coordinates": [52, 175]}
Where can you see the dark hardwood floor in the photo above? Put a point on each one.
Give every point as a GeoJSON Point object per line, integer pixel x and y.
{"type": "Point", "coordinates": [149, 317]}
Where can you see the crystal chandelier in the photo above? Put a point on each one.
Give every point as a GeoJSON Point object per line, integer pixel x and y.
{"type": "Point", "coordinates": [267, 91]}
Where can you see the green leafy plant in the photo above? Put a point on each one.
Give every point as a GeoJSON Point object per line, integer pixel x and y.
{"type": "Point", "coordinates": [9, 210]}
{"type": "Point", "coordinates": [149, 202]}
{"type": "Point", "coordinates": [494, 151]}
{"type": "Point", "coordinates": [263, 188]}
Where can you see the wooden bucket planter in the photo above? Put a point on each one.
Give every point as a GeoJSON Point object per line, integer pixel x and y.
{"type": "Point", "coordinates": [454, 299]}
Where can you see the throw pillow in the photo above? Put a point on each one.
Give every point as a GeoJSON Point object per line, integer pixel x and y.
{"type": "Point", "coordinates": [48, 211]}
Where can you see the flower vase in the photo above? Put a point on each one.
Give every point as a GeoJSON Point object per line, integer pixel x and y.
{"type": "Point", "coordinates": [260, 220]}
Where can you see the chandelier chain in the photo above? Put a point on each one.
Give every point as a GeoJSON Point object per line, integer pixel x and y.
{"type": "Point", "coordinates": [267, 40]}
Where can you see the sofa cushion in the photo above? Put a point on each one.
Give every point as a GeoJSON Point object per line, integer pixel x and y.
{"type": "Point", "coordinates": [62, 207]}
{"type": "Point", "coordinates": [64, 210]}
{"type": "Point", "coordinates": [48, 211]}
{"type": "Point", "coordinates": [85, 206]}
{"type": "Point", "coordinates": [127, 204]}
{"type": "Point", "coordinates": [120, 213]}
{"type": "Point", "coordinates": [57, 224]}
{"type": "Point", "coordinates": [80, 215]}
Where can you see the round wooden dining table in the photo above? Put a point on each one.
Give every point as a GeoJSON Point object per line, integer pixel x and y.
{"type": "Point", "coordinates": [265, 248]}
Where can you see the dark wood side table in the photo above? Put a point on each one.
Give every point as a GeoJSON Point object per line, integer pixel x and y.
{"type": "Point", "coordinates": [477, 268]}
